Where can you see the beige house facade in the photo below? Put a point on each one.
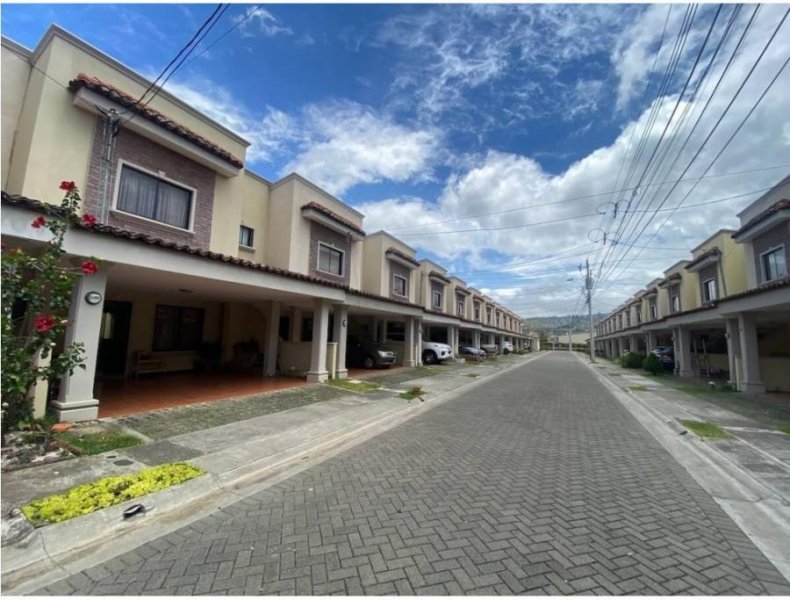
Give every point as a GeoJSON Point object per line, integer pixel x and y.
{"type": "Point", "coordinates": [725, 311]}
{"type": "Point", "coordinates": [202, 260]}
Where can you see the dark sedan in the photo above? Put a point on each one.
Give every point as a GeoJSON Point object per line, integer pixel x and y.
{"type": "Point", "coordinates": [472, 352]}
{"type": "Point", "coordinates": [368, 354]}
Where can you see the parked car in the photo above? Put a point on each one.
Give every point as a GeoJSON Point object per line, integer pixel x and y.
{"type": "Point", "coordinates": [472, 352]}
{"type": "Point", "coordinates": [659, 350]}
{"type": "Point", "coordinates": [490, 349]}
{"type": "Point", "coordinates": [507, 347]}
{"type": "Point", "coordinates": [434, 352]}
{"type": "Point", "coordinates": [368, 354]}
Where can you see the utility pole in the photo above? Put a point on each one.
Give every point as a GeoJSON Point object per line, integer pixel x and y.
{"type": "Point", "coordinates": [588, 285]}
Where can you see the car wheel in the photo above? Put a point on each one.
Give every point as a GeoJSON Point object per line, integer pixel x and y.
{"type": "Point", "coordinates": [368, 363]}
{"type": "Point", "coordinates": [429, 357]}
{"type": "Point", "coordinates": [505, 351]}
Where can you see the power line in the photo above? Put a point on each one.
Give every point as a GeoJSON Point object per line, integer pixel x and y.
{"type": "Point", "coordinates": [250, 13]}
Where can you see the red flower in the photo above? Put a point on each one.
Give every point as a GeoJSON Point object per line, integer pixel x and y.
{"type": "Point", "coordinates": [89, 267]}
{"type": "Point", "coordinates": [38, 223]}
{"type": "Point", "coordinates": [88, 219]}
{"type": "Point", "coordinates": [44, 323]}
{"type": "Point", "coordinates": [67, 185]}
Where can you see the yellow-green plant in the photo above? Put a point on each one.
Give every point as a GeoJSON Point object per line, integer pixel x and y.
{"type": "Point", "coordinates": [89, 497]}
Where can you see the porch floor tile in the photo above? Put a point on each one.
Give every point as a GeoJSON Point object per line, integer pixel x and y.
{"type": "Point", "coordinates": [152, 392]}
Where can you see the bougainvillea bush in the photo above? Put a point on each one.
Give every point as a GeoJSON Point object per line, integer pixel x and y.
{"type": "Point", "coordinates": [36, 294]}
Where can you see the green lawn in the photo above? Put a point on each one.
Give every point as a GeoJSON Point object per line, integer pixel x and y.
{"type": "Point", "coordinates": [707, 430]}
{"type": "Point", "coordinates": [96, 443]}
{"type": "Point", "coordinates": [411, 394]}
{"type": "Point", "coordinates": [353, 385]}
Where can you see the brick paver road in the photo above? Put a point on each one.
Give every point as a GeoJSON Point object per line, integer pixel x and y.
{"type": "Point", "coordinates": [536, 482]}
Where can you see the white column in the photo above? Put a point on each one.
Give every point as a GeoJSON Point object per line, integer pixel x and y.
{"type": "Point", "coordinates": [621, 346]}
{"type": "Point", "coordinates": [683, 355]}
{"type": "Point", "coordinates": [272, 340]}
{"type": "Point", "coordinates": [650, 339]}
{"type": "Point", "coordinates": [633, 343]}
{"type": "Point", "coordinates": [476, 336]}
{"type": "Point", "coordinates": [318, 372]}
{"type": "Point", "coordinates": [455, 332]}
{"type": "Point", "coordinates": [418, 335]}
{"type": "Point", "coordinates": [340, 336]}
{"type": "Point", "coordinates": [409, 343]}
{"type": "Point", "coordinates": [750, 357]}
{"type": "Point", "coordinates": [76, 401]}
{"type": "Point", "coordinates": [734, 351]}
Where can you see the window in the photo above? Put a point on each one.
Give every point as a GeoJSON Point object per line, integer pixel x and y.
{"type": "Point", "coordinates": [177, 328]}
{"type": "Point", "coordinates": [246, 236]}
{"type": "Point", "coordinates": [477, 312]}
{"type": "Point", "coordinates": [460, 306]}
{"type": "Point", "coordinates": [709, 290]}
{"type": "Point", "coordinates": [653, 312]}
{"type": "Point", "coordinates": [398, 285]}
{"type": "Point", "coordinates": [774, 265]}
{"type": "Point", "coordinates": [436, 299]}
{"type": "Point", "coordinates": [330, 260]}
{"type": "Point", "coordinates": [152, 198]}
{"type": "Point", "coordinates": [675, 303]}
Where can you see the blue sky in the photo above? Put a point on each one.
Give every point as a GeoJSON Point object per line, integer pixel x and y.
{"type": "Point", "coordinates": [426, 116]}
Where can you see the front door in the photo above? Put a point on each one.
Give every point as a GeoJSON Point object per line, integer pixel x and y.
{"type": "Point", "coordinates": [114, 339]}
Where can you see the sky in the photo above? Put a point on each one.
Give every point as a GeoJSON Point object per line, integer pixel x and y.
{"type": "Point", "coordinates": [509, 143]}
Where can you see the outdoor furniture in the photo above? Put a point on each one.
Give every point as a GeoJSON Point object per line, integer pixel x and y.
{"type": "Point", "coordinates": [146, 362]}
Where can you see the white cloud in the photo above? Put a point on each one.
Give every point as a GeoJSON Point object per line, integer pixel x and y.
{"type": "Point", "coordinates": [257, 20]}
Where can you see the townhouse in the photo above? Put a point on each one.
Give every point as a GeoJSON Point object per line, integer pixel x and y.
{"type": "Point", "coordinates": [204, 264]}
{"type": "Point", "coordinates": [726, 310]}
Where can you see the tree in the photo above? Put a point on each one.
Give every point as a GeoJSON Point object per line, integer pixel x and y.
{"type": "Point", "coordinates": [36, 295]}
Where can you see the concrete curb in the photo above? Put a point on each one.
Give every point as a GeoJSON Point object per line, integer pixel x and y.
{"type": "Point", "coordinates": [57, 551]}
{"type": "Point", "coordinates": [756, 508]}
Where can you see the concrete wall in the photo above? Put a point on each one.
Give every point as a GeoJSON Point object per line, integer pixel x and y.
{"type": "Point", "coordinates": [15, 72]}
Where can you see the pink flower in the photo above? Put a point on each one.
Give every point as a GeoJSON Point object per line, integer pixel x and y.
{"type": "Point", "coordinates": [88, 219]}
{"type": "Point", "coordinates": [44, 323]}
{"type": "Point", "coordinates": [67, 185]}
{"type": "Point", "coordinates": [89, 267]}
{"type": "Point", "coordinates": [39, 222]}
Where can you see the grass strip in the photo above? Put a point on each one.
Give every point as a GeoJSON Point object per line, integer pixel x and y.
{"type": "Point", "coordinates": [96, 443]}
{"type": "Point", "coordinates": [90, 497]}
{"type": "Point", "coordinates": [707, 430]}
{"type": "Point", "coordinates": [353, 385]}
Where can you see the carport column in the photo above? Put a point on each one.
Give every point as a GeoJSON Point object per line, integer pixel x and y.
{"type": "Point", "coordinates": [734, 351]}
{"type": "Point", "coordinates": [633, 343]}
{"type": "Point", "coordinates": [272, 340]}
{"type": "Point", "coordinates": [418, 336]}
{"type": "Point", "coordinates": [340, 335]}
{"type": "Point", "coordinates": [621, 346]}
{"type": "Point", "coordinates": [76, 401]}
{"type": "Point", "coordinates": [318, 372]}
{"type": "Point", "coordinates": [682, 335]}
{"type": "Point", "coordinates": [476, 338]}
{"type": "Point", "coordinates": [455, 333]}
{"type": "Point", "coordinates": [408, 343]}
{"type": "Point", "coordinates": [750, 356]}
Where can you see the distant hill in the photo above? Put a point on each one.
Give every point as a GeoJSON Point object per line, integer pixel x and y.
{"type": "Point", "coordinates": [561, 323]}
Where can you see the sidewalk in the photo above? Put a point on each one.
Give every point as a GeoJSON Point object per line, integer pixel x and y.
{"type": "Point", "coordinates": [748, 475]}
{"type": "Point", "coordinates": [238, 455]}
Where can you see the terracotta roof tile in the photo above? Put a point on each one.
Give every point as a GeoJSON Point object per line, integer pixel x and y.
{"type": "Point", "coordinates": [334, 216]}
{"type": "Point", "coordinates": [708, 253]}
{"type": "Point", "coordinates": [781, 205]}
{"type": "Point", "coordinates": [438, 276]}
{"type": "Point", "coordinates": [403, 256]}
{"type": "Point", "coordinates": [127, 101]}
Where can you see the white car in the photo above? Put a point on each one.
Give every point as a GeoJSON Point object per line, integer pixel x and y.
{"type": "Point", "coordinates": [507, 347]}
{"type": "Point", "coordinates": [433, 352]}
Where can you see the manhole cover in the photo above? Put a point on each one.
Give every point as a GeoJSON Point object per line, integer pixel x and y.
{"type": "Point", "coordinates": [123, 462]}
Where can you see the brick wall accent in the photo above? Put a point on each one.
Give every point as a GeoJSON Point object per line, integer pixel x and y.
{"type": "Point", "coordinates": [150, 156]}
{"type": "Point", "coordinates": [772, 238]}
{"type": "Point", "coordinates": [320, 233]}
{"type": "Point", "coordinates": [398, 269]}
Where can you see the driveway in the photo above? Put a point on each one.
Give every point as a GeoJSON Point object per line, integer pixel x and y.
{"type": "Point", "coordinates": [538, 482]}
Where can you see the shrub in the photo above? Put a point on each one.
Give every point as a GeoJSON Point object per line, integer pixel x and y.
{"type": "Point", "coordinates": [631, 360]}
{"type": "Point", "coordinates": [651, 364]}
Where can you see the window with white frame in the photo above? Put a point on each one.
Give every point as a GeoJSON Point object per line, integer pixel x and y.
{"type": "Point", "coordinates": [153, 198]}
{"type": "Point", "coordinates": [653, 312]}
{"type": "Point", "coordinates": [399, 285]}
{"type": "Point", "coordinates": [436, 299]}
{"type": "Point", "coordinates": [709, 290]}
{"type": "Point", "coordinates": [675, 303]}
{"type": "Point", "coordinates": [330, 260]}
{"type": "Point", "coordinates": [774, 263]}
{"type": "Point", "coordinates": [477, 311]}
{"type": "Point", "coordinates": [246, 236]}
{"type": "Point", "coordinates": [460, 306]}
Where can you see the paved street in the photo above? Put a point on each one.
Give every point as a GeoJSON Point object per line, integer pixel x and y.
{"type": "Point", "coordinates": [536, 482]}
